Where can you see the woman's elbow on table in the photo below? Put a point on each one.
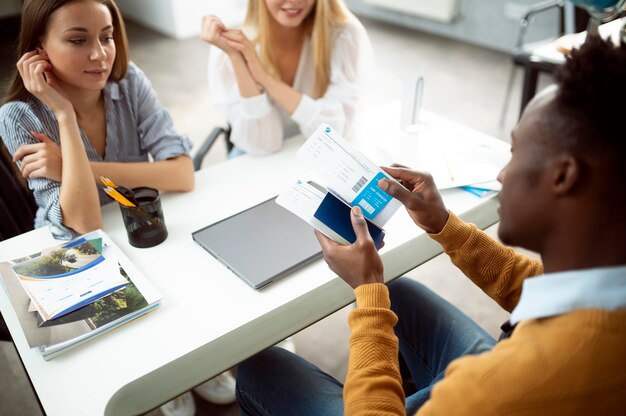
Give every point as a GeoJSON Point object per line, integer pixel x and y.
{"type": "Point", "coordinates": [84, 225]}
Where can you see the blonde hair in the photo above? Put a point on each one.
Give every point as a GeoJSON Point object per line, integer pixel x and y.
{"type": "Point", "coordinates": [326, 15]}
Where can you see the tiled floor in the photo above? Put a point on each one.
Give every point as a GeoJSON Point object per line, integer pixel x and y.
{"type": "Point", "coordinates": [462, 82]}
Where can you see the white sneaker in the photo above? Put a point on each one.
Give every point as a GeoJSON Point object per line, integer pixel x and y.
{"type": "Point", "coordinates": [181, 406]}
{"type": "Point", "coordinates": [287, 344]}
{"type": "Point", "coordinates": [219, 390]}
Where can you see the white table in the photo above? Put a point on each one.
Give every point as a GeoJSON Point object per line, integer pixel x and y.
{"type": "Point", "coordinates": [547, 57]}
{"type": "Point", "coordinates": [209, 319]}
{"type": "Point", "coordinates": [552, 52]}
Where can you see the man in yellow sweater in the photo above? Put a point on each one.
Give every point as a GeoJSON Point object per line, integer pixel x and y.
{"type": "Point", "coordinates": [563, 351]}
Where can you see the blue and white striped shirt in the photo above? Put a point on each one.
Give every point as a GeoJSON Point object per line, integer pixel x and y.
{"type": "Point", "coordinates": [136, 125]}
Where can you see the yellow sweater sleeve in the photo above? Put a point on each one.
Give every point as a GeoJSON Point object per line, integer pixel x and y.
{"type": "Point", "coordinates": [373, 384]}
{"type": "Point", "coordinates": [498, 270]}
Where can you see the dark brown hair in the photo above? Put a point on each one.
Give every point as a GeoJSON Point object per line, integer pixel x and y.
{"type": "Point", "coordinates": [34, 23]}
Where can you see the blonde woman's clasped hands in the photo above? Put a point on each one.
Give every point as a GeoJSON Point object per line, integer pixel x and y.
{"type": "Point", "coordinates": [234, 41]}
{"type": "Point", "coordinates": [212, 31]}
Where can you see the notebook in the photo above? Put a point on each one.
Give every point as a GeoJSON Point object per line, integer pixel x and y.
{"type": "Point", "coordinates": [261, 244]}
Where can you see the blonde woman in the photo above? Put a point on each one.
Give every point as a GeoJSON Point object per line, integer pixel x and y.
{"type": "Point", "coordinates": [293, 65]}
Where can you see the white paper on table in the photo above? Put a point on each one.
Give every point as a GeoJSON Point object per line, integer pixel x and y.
{"type": "Point", "coordinates": [451, 158]}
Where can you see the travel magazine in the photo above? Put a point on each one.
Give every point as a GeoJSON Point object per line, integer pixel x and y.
{"type": "Point", "coordinates": [64, 278]}
{"type": "Point", "coordinates": [51, 337]}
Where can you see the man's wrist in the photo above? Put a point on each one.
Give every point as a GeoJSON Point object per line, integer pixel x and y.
{"type": "Point", "coordinates": [439, 222]}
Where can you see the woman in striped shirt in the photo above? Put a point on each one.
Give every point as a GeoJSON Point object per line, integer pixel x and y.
{"type": "Point", "coordinates": [77, 109]}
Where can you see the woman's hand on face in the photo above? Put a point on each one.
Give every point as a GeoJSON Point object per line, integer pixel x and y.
{"type": "Point", "coordinates": [211, 32]}
{"type": "Point", "coordinates": [36, 72]}
{"type": "Point", "coordinates": [238, 41]}
{"type": "Point", "coordinates": [40, 160]}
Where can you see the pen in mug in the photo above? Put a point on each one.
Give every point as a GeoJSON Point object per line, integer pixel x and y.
{"type": "Point", "coordinates": [107, 182]}
{"type": "Point", "coordinates": [111, 190]}
{"type": "Point", "coordinates": [118, 197]}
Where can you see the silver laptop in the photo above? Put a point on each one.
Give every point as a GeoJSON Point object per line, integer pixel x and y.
{"type": "Point", "coordinates": [261, 244]}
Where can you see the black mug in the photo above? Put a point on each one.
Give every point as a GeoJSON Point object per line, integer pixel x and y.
{"type": "Point", "coordinates": [144, 223]}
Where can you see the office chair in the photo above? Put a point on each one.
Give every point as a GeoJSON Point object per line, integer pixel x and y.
{"type": "Point", "coordinates": [17, 205]}
{"type": "Point", "coordinates": [17, 209]}
{"type": "Point", "coordinates": [521, 55]}
{"type": "Point", "coordinates": [209, 142]}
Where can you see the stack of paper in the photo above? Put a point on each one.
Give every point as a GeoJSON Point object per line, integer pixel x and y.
{"type": "Point", "coordinates": [453, 158]}
{"type": "Point", "coordinates": [68, 294]}
{"type": "Point", "coordinates": [62, 279]}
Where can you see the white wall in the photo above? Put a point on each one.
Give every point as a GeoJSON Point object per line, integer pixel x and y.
{"type": "Point", "coordinates": [441, 10]}
{"type": "Point", "coordinates": [157, 15]}
{"type": "Point", "coordinates": [10, 8]}
{"type": "Point", "coordinates": [490, 23]}
{"type": "Point", "coordinates": [181, 18]}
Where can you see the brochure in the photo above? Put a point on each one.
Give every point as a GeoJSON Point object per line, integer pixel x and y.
{"type": "Point", "coordinates": [64, 278]}
{"type": "Point", "coordinates": [55, 336]}
{"type": "Point", "coordinates": [352, 180]}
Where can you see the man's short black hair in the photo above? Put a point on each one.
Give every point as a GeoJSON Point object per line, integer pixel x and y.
{"type": "Point", "coordinates": [591, 100]}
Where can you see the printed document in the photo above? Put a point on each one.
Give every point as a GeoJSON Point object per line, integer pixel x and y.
{"type": "Point", "coordinates": [350, 178]}
{"type": "Point", "coordinates": [348, 174]}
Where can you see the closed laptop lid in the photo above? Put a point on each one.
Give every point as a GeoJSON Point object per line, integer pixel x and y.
{"type": "Point", "coordinates": [261, 244]}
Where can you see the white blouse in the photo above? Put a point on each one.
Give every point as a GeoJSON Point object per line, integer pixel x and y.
{"type": "Point", "coordinates": [259, 126]}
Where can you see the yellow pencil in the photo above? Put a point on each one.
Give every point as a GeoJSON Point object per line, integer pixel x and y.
{"type": "Point", "coordinates": [118, 197]}
{"type": "Point", "coordinates": [107, 182]}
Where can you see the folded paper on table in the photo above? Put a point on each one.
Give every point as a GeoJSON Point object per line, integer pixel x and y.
{"type": "Point", "coordinates": [452, 156]}
{"type": "Point", "coordinates": [479, 192]}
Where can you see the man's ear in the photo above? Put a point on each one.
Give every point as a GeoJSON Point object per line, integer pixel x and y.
{"type": "Point", "coordinates": [567, 171]}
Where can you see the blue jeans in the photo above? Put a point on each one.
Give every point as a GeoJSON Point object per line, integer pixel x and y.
{"type": "Point", "coordinates": [431, 333]}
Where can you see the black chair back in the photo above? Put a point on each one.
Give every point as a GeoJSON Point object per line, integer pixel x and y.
{"type": "Point", "coordinates": [209, 142]}
{"type": "Point", "coordinates": [17, 205]}
{"type": "Point", "coordinates": [17, 209]}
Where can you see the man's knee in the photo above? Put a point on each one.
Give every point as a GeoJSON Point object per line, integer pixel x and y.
{"type": "Point", "coordinates": [405, 289]}
{"type": "Point", "coordinates": [260, 364]}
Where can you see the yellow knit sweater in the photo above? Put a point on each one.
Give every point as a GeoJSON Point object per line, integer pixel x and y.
{"type": "Point", "coordinates": [572, 364]}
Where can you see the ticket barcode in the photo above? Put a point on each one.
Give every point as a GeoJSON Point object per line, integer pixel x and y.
{"type": "Point", "coordinates": [367, 207]}
{"type": "Point", "coordinates": [359, 184]}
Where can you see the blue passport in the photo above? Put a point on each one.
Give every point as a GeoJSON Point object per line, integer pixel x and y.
{"type": "Point", "coordinates": [336, 214]}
